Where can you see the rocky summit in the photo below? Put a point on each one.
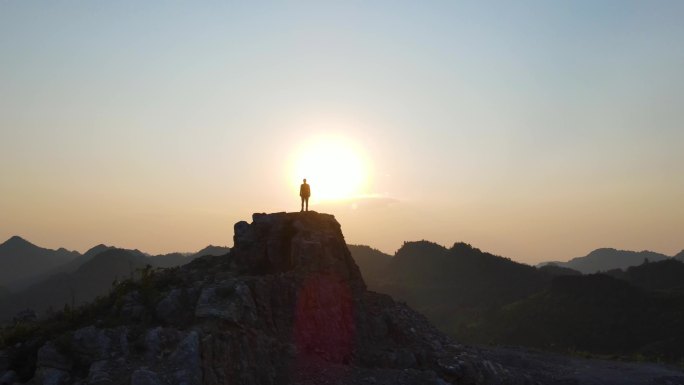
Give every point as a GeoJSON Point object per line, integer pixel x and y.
{"type": "Point", "coordinates": [286, 305]}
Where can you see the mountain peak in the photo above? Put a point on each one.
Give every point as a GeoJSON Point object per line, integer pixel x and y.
{"type": "Point", "coordinates": [213, 250]}
{"type": "Point", "coordinates": [420, 247]}
{"type": "Point", "coordinates": [602, 250]}
{"type": "Point", "coordinates": [95, 250]}
{"type": "Point", "coordinates": [297, 242]}
{"type": "Point", "coordinates": [465, 248]}
{"type": "Point", "coordinates": [17, 241]}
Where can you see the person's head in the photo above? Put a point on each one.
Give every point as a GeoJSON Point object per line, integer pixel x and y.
{"type": "Point", "coordinates": [304, 180]}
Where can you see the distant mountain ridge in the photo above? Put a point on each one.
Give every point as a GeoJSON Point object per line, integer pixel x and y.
{"type": "Point", "coordinates": [479, 297]}
{"type": "Point", "coordinates": [20, 259]}
{"type": "Point", "coordinates": [23, 264]}
{"type": "Point", "coordinates": [90, 275]}
{"type": "Point", "coordinates": [93, 278]}
{"type": "Point", "coordinates": [287, 305]}
{"type": "Point", "coordinates": [176, 259]}
{"type": "Point", "coordinates": [605, 259]}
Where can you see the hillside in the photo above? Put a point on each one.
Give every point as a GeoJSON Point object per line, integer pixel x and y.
{"type": "Point", "coordinates": [666, 275]}
{"type": "Point", "coordinates": [555, 270]}
{"type": "Point", "coordinates": [481, 298]}
{"type": "Point", "coordinates": [594, 313]}
{"type": "Point", "coordinates": [457, 286]}
{"type": "Point", "coordinates": [680, 256]}
{"type": "Point", "coordinates": [372, 262]}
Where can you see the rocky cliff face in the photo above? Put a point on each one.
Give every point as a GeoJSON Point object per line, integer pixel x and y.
{"type": "Point", "coordinates": [287, 305]}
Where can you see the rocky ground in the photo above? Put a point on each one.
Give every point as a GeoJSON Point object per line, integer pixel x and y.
{"type": "Point", "coordinates": [286, 306]}
{"type": "Point", "coordinates": [562, 369]}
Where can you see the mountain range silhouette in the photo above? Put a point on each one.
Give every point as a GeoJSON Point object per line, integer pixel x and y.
{"type": "Point", "coordinates": [608, 259]}
{"type": "Point", "coordinates": [481, 298]}
{"type": "Point", "coordinates": [474, 296]}
{"type": "Point", "coordinates": [72, 278]}
{"type": "Point", "coordinates": [289, 305]}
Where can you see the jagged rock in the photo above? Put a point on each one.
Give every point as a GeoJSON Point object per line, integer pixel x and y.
{"type": "Point", "coordinates": [307, 242]}
{"type": "Point", "coordinates": [153, 344]}
{"type": "Point", "coordinates": [98, 374]}
{"type": "Point", "coordinates": [324, 319]}
{"type": "Point", "coordinates": [160, 342]}
{"type": "Point", "coordinates": [91, 344]}
{"type": "Point", "coordinates": [170, 310]}
{"type": "Point", "coordinates": [230, 301]}
{"type": "Point", "coordinates": [4, 361]}
{"type": "Point", "coordinates": [132, 307]}
{"type": "Point", "coordinates": [243, 359]}
{"type": "Point", "coordinates": [50, 357]}
{"type": "Point", "coordinates": [186, 361]}
{"type": "Point", "coordinates": [242, 233]}
{"type": "Point", "coordinates": [145, 377]}
{"type": "Point", "coordinates": [8, 378]}
{"type": "Point", "coordinates": [51, 376]}
{"type": "Point", "coordinates": [453, 368]}
{"type": "Point", "coordinates": [121, 338]}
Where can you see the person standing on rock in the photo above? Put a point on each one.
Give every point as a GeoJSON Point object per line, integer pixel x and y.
{"type": "Point", "coordinates": [305, 193]}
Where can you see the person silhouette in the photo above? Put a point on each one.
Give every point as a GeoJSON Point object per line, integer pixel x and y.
{"type": "Point", "coordinates": [305, 193]}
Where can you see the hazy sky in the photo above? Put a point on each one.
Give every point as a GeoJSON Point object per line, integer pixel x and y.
{"type": "Point", "coordinates": [536, 130]}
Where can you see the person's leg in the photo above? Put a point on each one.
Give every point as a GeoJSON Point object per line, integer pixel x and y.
{"type": "Point", "coordinates": [302, 204]}
{"type": "Point", "coordinates": [307, 203]}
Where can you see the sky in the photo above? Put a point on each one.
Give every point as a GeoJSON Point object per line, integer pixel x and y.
{"type": "Point", "coordinates": [536, 130]}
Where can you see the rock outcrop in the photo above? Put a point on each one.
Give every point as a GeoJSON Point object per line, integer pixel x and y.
{"type": "Point", "coordinates": [287, 305]}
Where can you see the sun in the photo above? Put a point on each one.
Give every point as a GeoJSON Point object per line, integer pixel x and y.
{"type": "Point", "coordinates": [332, 166]}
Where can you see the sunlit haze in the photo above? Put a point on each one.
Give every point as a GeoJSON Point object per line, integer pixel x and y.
{"type": "Point", "coordinates": [335, 166]}
{"type": "Point", "coordinates": [533, 130]}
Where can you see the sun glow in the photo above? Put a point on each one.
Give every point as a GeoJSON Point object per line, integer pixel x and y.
{"type": "Point", "coordinates": [333, 168]}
